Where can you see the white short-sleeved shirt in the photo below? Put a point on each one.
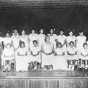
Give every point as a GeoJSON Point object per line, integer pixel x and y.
{"type": "Point", "coordinates": [71, 50]}
{"type": "Point", "coordinates": [61, 39]}
{"type": "Point", "coordinates": [33, 37]}
{"type": "Point", "coordinates": [80, 41]}
{"type": "Point", "coordinates": [41, 38]}
{"type": "Point", "coordinates": [15, 40]}
{"type": "Point", "coordinates": [7, 40]}
{"type": "Point", "coordinates": [52, 37]}
{"type": "Point", "coordinates": [69, 39]}
{"type": "Point", "coordinates": [34, 50]}
{"type": "Point", "coordinates": [83, 51]}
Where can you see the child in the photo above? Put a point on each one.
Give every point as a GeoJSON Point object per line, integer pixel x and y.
{"type": "Point", "coordinates": [8, 57]}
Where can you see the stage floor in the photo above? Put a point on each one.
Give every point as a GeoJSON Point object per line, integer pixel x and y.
{"type": "Point", "coordinates": [43, 74]}
{"type": "Point", "coordinates": [54, 79]}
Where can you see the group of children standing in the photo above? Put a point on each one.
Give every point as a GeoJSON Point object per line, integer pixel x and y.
{"type": "Point", "coordinates": [17, 51]}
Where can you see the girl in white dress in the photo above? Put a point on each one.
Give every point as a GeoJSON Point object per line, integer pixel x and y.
{"type": "Point", "coordinates": [24, 38]}
{"type": "Point", "coordinates": [35, 52]}
{"type": "Point", "coordinates": [47, 52]}
{"type": "Point", "coordinates": [52, 36]}
{"type": "Point", "coordinates": [71, 55]}
{"type": "Point", "coordinates": [83, 54]}
{"type": "Point", "coordinates": [7, 40]}
{"type": "Point", "coordinates": [8, 57]}
{"type": "Point", "coordinates": [33, 36]}
{"type": "Point", "coordinates": [41, 37]}
{"type": "Point", "coordinates": [70, 38]}
{"type": "Point", "coordinates": [59, 57]}
{"type": "Point", "coordinates": [15, 39]}
{"type": "Point", "coordinates": [21, 58]}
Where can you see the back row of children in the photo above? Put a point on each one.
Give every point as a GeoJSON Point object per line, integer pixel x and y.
{"type": "Point", "coordinates": [50, 49]}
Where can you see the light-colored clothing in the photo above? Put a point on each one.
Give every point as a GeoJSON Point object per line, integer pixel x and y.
{"type": "Point", "coordinates": [61, 39]}
{"type": "Point", "coordinates": [35, 54]}
{"type": "Point", "coordinates": [80, 41]}
{"type": "Point", "coordinates": [8, 54]}
{"type": "Point", "coordinates": [15, 40]}
{"type": "Point", "coordinates": [24, 38]}
{"type": "Point", "coordinates": [21, 59]}
{"type": "Point", "coordinates": [47, 55]}
{"type": "Point", "coordinates": [59, 60]}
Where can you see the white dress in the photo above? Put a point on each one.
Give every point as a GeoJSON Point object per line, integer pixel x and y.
{"type": "Point", "coordinates": [24, 38]}
{"type": "Point", "coordinates": [61, 39]}
{"type": "Point", "coordinates": [47, 55]}
{"type": "Point", "coordinates": [15, 40]}
{"type": "Point", "coordinates": [60, 59]}
{"type": "Point", "coordinates": [35, 54]}
{"type": "Point", "coordinates": [69, 39]}
{"type": "Point", "coordinates": [7, 40]}
{"type": "Point", "coordinates": [83, 54]}
{"type": "Point", "coordinates": [8, 54]}
{"type": "Point", "coordinates": [52, 38]}
{"type": "Point", "coordinates": [33, 37]}
{"type": "Point", "coordinates": [80, 41]}
{"type": "Point", "coordinates": [71, 53]}
{"type": "Point", "coordinates": [41, 39]}
{"type": "Point", "coordinates": [21, 59]}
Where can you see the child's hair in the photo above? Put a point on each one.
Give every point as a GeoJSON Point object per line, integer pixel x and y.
{"type": "Point", "coordinates": [21, 42]}
{"type": "Point", "coordinates": [58, 43]}
{"type": "Point", "coordinates": [35, 41]}
{"type": "Point", "coordinates": [84, 44]}
{"type": "Point", "coordinates": [71, 43]}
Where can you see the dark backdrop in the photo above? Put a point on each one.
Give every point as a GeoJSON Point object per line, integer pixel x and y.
{"type": "Point", "coordinates": [66, 17]}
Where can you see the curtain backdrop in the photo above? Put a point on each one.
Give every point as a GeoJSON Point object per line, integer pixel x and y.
{"type": "Point", "coordinates": [66, 17]}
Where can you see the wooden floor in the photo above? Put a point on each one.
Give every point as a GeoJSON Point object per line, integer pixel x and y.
{"type": "Point", "coordinates": [54, 79]}
{"type": "Point", "coordinates": [59, 73]}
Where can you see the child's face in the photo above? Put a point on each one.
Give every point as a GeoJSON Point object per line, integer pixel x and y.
{"type": "Point", "coordinates": [61, 32]}
{"type": "Point", "coordinates": [41, 31]}
{"type": "Point", "coordinates": [15, 32]}
{"type": "Point", "coordinates": [8, 46]}
{"type": "Point", "coordinates": [81, 34]}
{"type": "Point", "coordinates": [47, 39]}
{"type": "Point", "coordinates": [59, 45]}
{"type": "Point", "coordinates": [33, 31]}
{"type": "Point", "coordinates": [7, 35]}
{"type": "Point", "coordinates": [35, 43]}
{"type": "Point", "coordinates": [70, 33]}
{"type": "Point", "coordinates": [22, 45]}
{"type": "Point", "coordinates": [51, 31]}
{"type": "Point", "coordinates": [85, 46]}
{"type": "Point", "coordinates": [72, 44]}
{"type": "Point", "coordinates": [23, 32]}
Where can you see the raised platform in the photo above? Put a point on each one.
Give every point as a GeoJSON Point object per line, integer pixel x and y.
{"type": "Point", "coordinates": [56, 79]}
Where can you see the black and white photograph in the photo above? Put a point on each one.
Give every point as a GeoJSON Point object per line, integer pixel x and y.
{"type": "Point", "coordinates": [43, 43]}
